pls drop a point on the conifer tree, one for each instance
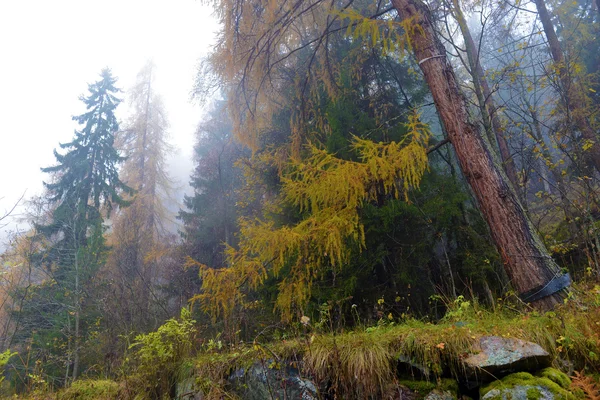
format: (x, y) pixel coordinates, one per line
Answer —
(84, 188)
(256, 54)
(139, 231)
(210, 222)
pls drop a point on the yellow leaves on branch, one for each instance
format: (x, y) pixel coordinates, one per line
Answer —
(329, 192)
(382, 32)
(406, 160)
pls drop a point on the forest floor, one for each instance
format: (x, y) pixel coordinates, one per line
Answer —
(570, 333)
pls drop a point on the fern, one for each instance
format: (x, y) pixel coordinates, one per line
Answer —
(587, 384)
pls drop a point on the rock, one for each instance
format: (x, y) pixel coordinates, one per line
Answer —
(430, 390)
(501, 356)
(413, 369)
(399, 392)
(438, 394)
(270, 381)
(519, 392)
(549, 384)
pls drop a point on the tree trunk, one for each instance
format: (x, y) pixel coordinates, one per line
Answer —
(574, 103)
(76, 343)
(526, 260)
(489, 111)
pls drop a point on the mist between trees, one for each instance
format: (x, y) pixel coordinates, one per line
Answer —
(360, 161)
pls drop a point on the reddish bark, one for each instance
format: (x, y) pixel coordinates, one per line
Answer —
(526, 260)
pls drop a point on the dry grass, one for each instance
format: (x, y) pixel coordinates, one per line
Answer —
(364, 361)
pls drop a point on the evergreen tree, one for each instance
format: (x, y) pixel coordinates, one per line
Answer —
(85, 185)
(210, 223)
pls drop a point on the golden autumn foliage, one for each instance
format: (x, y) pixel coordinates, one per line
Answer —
(329, 192)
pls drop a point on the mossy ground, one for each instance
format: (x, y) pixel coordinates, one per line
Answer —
(365, 360)
(91, 390)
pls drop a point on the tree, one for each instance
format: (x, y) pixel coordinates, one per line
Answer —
(84, 188)
(7, 213)
(211, 220)
(140, 238)
(527, 262)
(252, 64)
(573, 94)
(489, 111)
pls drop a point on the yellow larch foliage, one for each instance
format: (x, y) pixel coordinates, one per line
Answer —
(329, 191)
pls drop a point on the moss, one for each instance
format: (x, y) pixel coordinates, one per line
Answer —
(449, 385)
(419, 387)
(508, 382)
(533, 383)
(422, 388)
(533, 394)
(556, 376)
(91, 390)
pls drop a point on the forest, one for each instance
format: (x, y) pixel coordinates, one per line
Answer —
(373, 181)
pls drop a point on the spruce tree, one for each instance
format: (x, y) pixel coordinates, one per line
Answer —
(86, 176)
(85, 186)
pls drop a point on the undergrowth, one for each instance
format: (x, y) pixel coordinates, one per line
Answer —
(361, 363)
(364, 360)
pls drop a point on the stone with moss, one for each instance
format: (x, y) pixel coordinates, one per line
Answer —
(557, 377)
(270, 380)
(432, 390)
(549, 384)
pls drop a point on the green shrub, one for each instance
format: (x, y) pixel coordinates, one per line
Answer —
(158, 355)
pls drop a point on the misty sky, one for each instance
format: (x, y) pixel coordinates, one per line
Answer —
(51, 50)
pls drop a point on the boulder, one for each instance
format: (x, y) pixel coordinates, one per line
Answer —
(271, 381)
(550, 384)
(499, 356)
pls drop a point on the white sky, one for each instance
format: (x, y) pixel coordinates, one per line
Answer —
(51, 50)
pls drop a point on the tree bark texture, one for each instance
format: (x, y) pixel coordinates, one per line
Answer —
(574, 103)
(526, 260)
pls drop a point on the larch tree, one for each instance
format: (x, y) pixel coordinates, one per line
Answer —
(531, 269)
(489, 110)
(258, 39)
(139, 237)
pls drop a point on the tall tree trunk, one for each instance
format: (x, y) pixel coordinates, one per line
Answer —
(77, 340)
(526, 260)
(488, 108)
(572, 94)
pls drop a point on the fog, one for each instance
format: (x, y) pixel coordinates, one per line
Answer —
(52, 50)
